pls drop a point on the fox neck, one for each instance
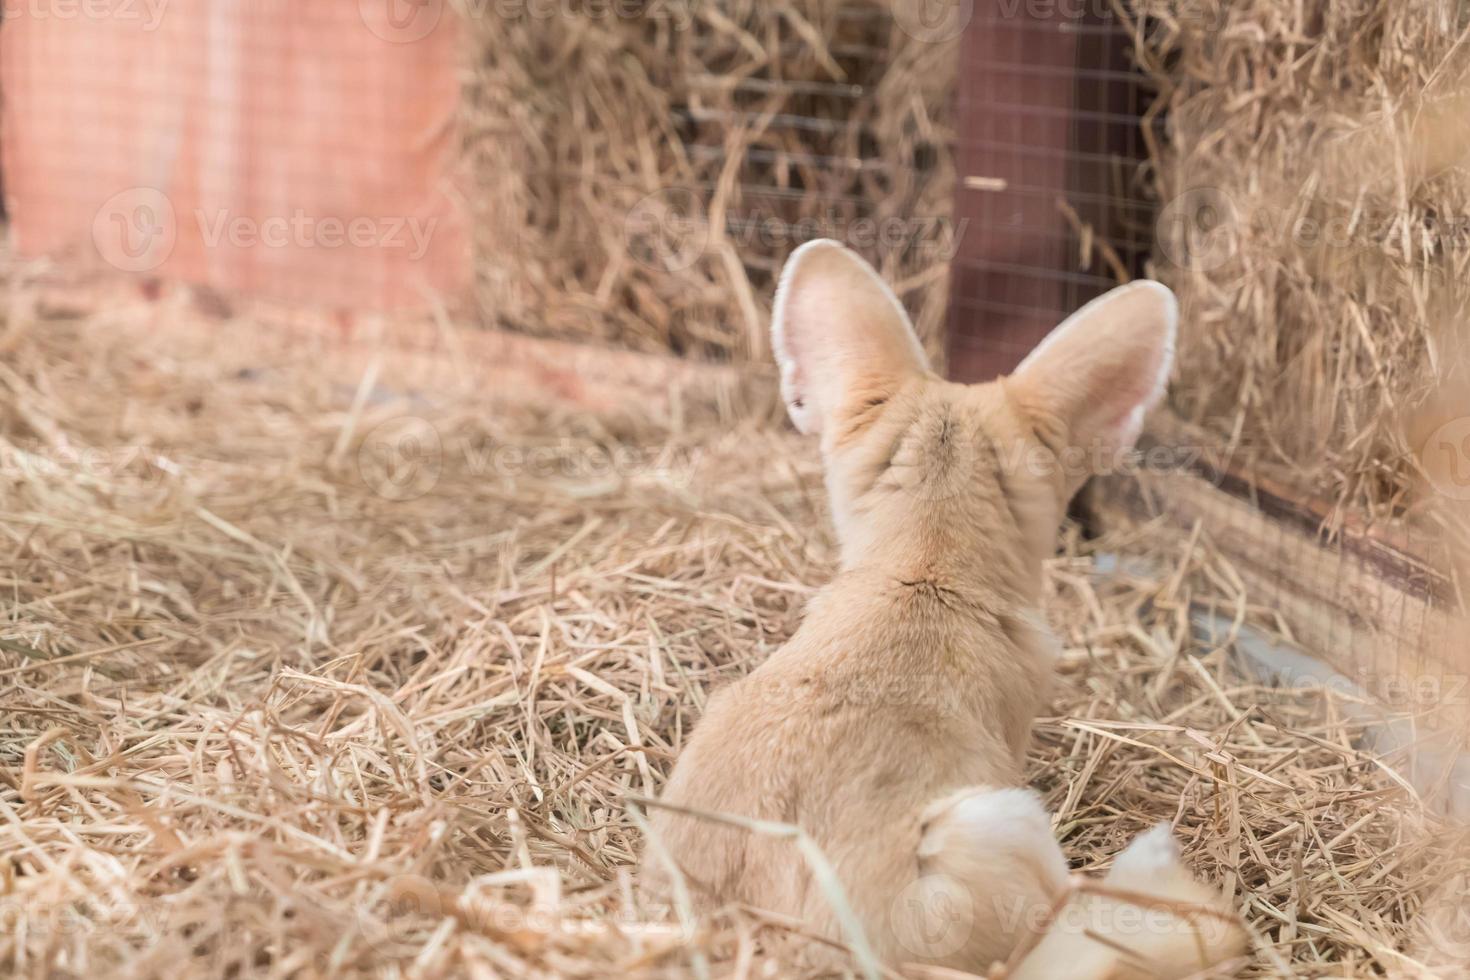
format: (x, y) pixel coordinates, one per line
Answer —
(947, 544)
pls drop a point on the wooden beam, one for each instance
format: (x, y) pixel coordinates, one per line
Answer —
(424, 353)
(1377, 603)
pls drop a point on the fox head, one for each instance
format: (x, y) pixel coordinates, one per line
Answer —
(922, 470)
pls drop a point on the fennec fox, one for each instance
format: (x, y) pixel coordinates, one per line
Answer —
(893, 726)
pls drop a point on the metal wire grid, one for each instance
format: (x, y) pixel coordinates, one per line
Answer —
(812, 172)
(1052, 196)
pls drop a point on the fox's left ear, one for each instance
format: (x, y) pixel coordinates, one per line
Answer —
(1098, 374)
(841, 337)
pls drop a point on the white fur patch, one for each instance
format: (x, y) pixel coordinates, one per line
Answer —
(1151, 852)
(1013, 819)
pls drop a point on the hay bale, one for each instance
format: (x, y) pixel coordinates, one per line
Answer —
(638, 179)
(1316, 223)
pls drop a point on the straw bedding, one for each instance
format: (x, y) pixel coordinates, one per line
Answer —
(271, 704)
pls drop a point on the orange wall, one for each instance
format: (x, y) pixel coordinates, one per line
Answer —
(281, 148)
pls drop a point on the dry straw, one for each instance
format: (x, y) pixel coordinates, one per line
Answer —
(1316, 206)
(276, 700)
(639, 172)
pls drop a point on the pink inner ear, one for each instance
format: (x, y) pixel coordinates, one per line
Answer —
(1131, 428)
(1104, 368)
(835, 320)
(1121, 411)
(793, 387)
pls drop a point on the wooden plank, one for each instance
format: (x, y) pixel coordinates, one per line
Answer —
(427, 354)
(416, 352)
(1379, 604)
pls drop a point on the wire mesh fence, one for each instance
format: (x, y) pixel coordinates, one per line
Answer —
(1054, 176)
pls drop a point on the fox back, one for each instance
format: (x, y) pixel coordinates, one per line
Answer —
(893, 726)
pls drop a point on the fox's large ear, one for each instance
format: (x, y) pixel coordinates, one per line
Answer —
(1098, 374)
(841, 338)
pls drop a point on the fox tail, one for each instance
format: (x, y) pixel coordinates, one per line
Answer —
(1148, 920)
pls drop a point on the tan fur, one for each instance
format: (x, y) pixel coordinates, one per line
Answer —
(1438, 432)
(893, 726)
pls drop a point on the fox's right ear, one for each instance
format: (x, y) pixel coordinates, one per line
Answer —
(841, 337)
(1100, 372)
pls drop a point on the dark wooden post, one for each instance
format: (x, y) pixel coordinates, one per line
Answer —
(1049, 144)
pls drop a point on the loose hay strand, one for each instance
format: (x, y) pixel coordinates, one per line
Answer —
(823, 874)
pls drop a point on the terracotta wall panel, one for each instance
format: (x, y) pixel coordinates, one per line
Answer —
(275, 148)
